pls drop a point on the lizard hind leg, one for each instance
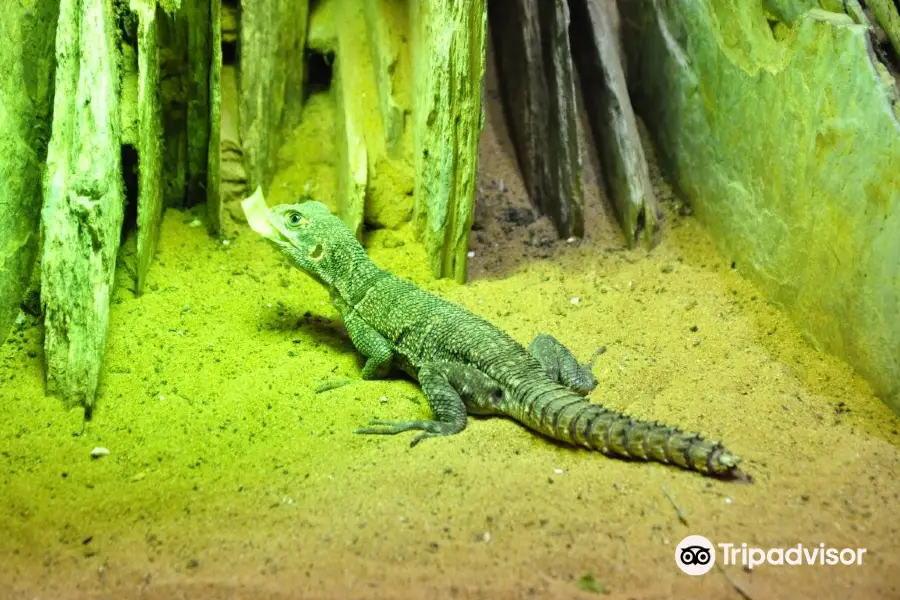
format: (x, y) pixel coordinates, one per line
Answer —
(561, 365)
(448, 387)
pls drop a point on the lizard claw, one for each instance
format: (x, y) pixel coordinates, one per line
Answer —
(422, 436)
(383, 427)
(428, 428)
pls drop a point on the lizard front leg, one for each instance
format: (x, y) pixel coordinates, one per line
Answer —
(450, 388)
(561, 365)
(378, 351)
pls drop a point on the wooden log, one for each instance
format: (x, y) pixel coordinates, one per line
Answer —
(888, 17)
(373, 42)
(83, 200)
(531, 45)
(149, 139)
(448, 52)
(232, 173)
(352, 106)
(199, 52)
(321, 33)
(26, 61)
(387, 22)
(598, 57)
(214, 152)
(272, 35)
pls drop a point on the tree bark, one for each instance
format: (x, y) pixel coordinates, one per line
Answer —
(214, 152)
(27, 62)
(350, 112)
(83, 196)
(448, 52)
(531, 45)
(272, 38)
(149, 140)
(608, 106)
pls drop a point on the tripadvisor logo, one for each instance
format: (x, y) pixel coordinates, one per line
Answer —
(696, 555)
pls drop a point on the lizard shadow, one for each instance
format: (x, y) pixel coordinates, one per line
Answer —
(308, 328)
(318, 331)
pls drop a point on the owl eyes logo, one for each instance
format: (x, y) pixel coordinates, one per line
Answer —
(695, 555)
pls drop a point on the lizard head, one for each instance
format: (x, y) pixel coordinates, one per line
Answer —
(315, 240)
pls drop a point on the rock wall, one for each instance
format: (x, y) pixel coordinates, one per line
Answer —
(784, 136)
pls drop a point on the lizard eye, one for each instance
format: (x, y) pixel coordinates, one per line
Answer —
(295, 219)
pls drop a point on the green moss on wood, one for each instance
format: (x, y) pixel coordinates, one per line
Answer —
(321, 34)
(27, 61)
(83, 200)
(272, 37)
(149, 139)
(886, 13)
(214, 154)
(375, 177)
(199, 51)
(387, 22)
(351, 107)
(448, 49)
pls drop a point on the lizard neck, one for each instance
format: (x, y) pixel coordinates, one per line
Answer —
(356, 277)
(361, 279)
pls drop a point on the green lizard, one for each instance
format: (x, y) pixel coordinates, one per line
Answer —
(462, 362)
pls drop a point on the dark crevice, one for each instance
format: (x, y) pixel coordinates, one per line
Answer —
(640, 223)
(319, 71)
(130, 179)
(229, 53)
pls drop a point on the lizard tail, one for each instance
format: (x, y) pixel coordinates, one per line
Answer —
(568, 417)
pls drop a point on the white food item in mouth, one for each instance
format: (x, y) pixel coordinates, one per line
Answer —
(257, 212)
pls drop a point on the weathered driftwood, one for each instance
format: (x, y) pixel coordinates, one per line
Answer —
(352, 106)
(26, 61)
(272, 35)
(83, 200)
(185, 54)
(531, 45)
(149, 139)
(232, 173)
(387, 23)
(448, 50)
(214, 150)
(888, 17)
(598, 58)
(197, 15)
(375, 176)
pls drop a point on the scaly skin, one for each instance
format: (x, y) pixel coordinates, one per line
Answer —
(463, 363)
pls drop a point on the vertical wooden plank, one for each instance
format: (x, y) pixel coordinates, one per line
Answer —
(26, 61)
(214, 155)
(83, 207)
(448, 71)
(149, 139)
(387, 22)
(531, 45)
(199, 51)
(272, 37)
(612, 119)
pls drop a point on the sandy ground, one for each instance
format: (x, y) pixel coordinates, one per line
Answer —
(228, 476)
